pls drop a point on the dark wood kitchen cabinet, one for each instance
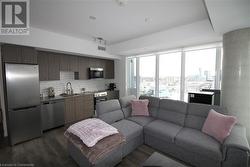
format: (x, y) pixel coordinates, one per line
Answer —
(69, 114)
(11, 53)
(83, 65)
(49, 66)
(29, 55)
(84, 107)
(51, 63)
(19, 54)
(78, 108)
(88, 105)
(114, 94)
(54, 67)
(43, 62)
(68, 62)
(63, 62)
(109, 69)
(94, 63)
(73, 63)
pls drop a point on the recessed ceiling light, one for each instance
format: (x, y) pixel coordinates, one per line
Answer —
(92, 17)
(121, 2)
(147, 19)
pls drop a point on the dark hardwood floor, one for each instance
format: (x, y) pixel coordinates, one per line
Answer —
(51, 150)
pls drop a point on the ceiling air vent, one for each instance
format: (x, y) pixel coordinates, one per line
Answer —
(103, 48)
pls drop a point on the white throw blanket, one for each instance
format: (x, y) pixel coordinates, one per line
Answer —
(91, 130)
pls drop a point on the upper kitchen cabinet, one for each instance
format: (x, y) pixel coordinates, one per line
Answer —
(54, 67)
(68, 63)
(73, 63)
(19, 54)
(64, 66)
(11, 53)
(43, 62)
(29, 55)
(109, 72)
(83, 65)
(49, 66)
(94, 63)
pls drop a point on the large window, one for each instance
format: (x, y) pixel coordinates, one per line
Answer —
(200, 70)
(173, 74)
(170, 75)
(147, 75)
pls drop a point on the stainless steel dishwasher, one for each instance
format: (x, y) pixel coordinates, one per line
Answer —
(52, 114)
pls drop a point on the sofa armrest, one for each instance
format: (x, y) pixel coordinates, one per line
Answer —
(237, 140)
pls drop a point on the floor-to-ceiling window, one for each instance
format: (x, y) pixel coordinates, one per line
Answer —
(173, 74)
(199, 70)
(147, 75)
(170, 75)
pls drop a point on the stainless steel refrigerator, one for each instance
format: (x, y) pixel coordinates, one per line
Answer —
(23, 102)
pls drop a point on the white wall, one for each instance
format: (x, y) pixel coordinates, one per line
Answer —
(120, 75)
(196, 33)
(58, 42)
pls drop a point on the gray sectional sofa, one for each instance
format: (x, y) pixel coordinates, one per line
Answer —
(174, 127)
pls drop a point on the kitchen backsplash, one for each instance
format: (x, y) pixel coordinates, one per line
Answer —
(77, 85)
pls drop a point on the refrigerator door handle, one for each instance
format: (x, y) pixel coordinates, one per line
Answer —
(24, 108)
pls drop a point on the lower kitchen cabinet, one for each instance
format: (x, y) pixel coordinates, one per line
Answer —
(78, 108)
(114, 94)
(69, 115)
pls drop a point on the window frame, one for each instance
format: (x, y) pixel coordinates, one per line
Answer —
(218, 67)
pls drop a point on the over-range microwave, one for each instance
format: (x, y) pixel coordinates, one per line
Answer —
(96, 73)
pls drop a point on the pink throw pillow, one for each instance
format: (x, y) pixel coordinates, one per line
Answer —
(218, 125)
(140, 107)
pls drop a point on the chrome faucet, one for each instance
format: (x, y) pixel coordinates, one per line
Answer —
(69, 89)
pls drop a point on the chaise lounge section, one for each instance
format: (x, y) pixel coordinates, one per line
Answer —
(174, 127)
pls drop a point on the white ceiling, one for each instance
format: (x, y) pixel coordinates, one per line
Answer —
(228, 15)
(114, 23)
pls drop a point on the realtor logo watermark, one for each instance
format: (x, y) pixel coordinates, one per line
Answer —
(14, 17)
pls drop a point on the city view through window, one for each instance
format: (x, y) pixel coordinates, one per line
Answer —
(164, 78)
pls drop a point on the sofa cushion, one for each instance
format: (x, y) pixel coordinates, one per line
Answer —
(128, 128)
(109, 111)
(140, 107)
(173, 111)
(218, 125)
(126, 105)
(164, 130)
(197, 142)
(141, 120)
(197, 114)
(153, 105)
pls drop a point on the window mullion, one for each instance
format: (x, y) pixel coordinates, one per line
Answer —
(137, 77)
(157, 76)
(183, 65)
